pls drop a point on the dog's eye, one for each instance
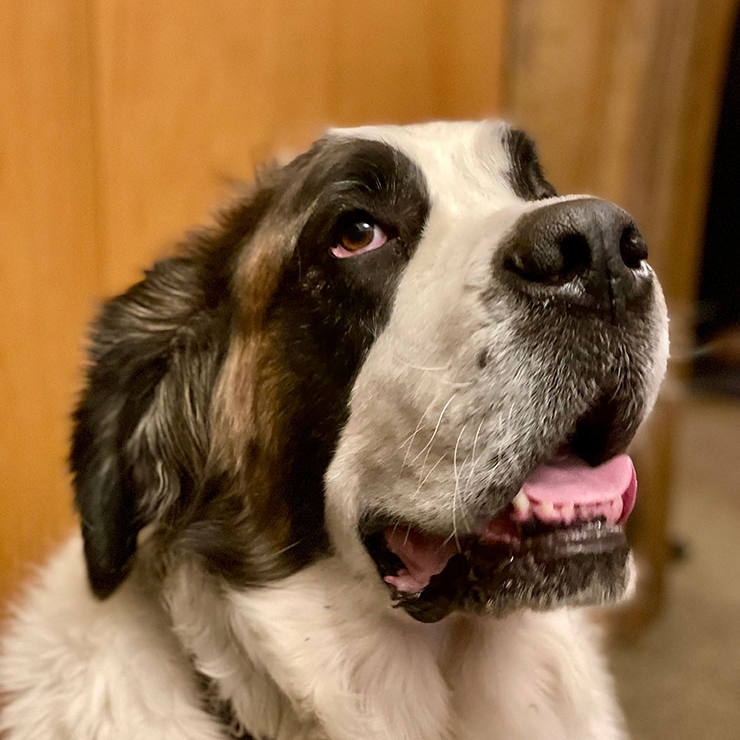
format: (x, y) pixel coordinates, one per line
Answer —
(357, 235)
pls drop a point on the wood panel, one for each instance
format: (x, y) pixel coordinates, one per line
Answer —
(193, 94)
(48, 265)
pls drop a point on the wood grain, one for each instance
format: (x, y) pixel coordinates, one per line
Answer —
(48, 266)
(187, 106)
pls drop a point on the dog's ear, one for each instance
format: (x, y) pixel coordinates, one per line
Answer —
(141, 426)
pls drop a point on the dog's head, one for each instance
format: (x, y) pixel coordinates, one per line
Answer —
(401, 347)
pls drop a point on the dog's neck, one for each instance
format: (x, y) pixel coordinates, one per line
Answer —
(235, 687)
(333, 643)
(311, 658)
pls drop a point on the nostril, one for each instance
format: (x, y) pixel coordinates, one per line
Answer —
(632, 247)
(518, 263)
(552, 260)
(576, 256)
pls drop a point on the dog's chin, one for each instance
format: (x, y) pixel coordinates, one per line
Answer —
(581, 565)
(558, 543)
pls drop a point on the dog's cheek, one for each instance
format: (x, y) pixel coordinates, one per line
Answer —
(259, 513)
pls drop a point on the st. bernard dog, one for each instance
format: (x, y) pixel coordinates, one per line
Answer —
(348, 464)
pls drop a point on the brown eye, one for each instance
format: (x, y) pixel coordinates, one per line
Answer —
(358, 235)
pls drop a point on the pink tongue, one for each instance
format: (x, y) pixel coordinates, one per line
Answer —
(423, 555)
(570, 482)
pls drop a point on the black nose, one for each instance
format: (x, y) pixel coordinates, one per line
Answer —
(587, 252)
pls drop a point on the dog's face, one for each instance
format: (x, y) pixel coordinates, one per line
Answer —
(403, 349)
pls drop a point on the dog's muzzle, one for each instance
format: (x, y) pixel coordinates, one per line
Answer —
(577, 273)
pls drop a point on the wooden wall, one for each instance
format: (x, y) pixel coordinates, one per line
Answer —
(49, 263)
(122, 122)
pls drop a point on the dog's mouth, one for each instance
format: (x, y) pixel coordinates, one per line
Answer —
(560, 541)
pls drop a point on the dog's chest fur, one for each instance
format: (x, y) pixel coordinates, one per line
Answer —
(308, 660)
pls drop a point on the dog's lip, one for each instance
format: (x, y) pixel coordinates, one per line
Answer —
(559, 498)
(581, 565)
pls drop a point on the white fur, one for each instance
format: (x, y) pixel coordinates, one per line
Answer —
(317, 655)
(73, 667)
(464, 163)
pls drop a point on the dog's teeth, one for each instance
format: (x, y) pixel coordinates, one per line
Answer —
(521, 504)
(545, 511)
(568, 512)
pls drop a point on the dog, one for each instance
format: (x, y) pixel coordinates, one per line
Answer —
(349, 463)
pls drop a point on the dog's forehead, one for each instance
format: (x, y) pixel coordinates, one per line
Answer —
(464, 163)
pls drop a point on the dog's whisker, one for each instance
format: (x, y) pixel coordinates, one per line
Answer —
(395, 527)
(440, 369)
(423, 480)
(464, 493)
(455, 470)
(411, 438)
(707, 349)
(474, 459)
(427, 448)
(288, 548)
(456, 490)
(436, 428)
(408, 534)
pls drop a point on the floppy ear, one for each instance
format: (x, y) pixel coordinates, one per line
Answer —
(141, 427)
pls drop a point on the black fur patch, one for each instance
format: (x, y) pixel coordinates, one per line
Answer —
(525, 175)
(143, 447)
(140, 434)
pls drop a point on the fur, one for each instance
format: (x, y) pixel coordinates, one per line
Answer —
(264, 403)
